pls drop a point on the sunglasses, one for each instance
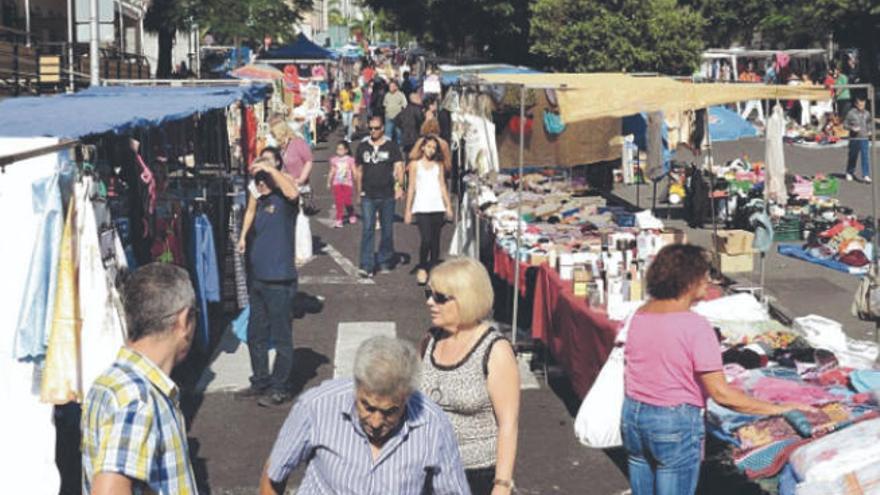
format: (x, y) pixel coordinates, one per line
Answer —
(438, 297)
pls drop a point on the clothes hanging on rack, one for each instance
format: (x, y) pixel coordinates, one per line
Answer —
(236, 216)
(27, 429)
(61, 382)
(102, 330)
(37, 302)
(206, 273)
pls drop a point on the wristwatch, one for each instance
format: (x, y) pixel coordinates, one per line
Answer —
(504, 483)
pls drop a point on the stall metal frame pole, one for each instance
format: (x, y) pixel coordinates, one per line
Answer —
(516, 260)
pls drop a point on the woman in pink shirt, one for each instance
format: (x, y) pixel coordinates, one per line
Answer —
(673, 363)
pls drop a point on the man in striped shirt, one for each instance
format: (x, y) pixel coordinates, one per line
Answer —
(373, 435)
(134, 435)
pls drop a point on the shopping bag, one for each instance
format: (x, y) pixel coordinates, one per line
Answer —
(597, 424)
(866, 303)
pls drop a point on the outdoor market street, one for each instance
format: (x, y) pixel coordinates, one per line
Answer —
(230, 439)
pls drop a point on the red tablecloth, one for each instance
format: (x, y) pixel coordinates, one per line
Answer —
(506, 270)
(579, 337)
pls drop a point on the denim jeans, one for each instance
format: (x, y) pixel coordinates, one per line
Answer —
(859, 147)
(346, 124)
(369, 208)
(391, 131)
(270, 320)
(664, 447)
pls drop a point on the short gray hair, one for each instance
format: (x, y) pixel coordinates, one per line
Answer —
(386, 366)
(154, 296)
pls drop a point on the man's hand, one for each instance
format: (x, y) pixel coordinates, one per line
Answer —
(242, 245)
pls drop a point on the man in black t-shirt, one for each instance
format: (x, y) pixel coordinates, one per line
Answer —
(378, 179)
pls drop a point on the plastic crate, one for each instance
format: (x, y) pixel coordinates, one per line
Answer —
(826, 187)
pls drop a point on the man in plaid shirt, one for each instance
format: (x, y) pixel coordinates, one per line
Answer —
(134, 435)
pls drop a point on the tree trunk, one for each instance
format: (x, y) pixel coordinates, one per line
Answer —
(166, 45)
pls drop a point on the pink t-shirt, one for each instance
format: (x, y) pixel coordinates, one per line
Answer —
(665, 353)
(296, 155)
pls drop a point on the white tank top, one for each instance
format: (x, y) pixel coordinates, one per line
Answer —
(428, 198)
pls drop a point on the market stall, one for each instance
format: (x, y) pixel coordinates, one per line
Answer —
(116, 178)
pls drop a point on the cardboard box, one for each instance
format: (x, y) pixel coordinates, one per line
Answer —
(734, 242)
(673, 236)
(736, 263)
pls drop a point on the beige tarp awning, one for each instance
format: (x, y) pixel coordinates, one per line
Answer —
(591, 96)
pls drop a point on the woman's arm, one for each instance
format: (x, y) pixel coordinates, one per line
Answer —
(503, 384)
(306, 172)
(411, 191)
(249, 214)
(724, 394)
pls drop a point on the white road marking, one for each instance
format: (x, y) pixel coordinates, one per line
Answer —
(350, 335)
(231, 368)
(334, 280)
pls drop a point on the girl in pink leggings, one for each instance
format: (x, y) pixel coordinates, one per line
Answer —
(340, 180)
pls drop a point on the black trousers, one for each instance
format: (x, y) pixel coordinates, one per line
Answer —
(430, 225)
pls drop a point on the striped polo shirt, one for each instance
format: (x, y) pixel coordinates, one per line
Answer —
(324, 431)
(132, 425)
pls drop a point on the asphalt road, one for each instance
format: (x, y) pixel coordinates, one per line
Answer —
(230, 439)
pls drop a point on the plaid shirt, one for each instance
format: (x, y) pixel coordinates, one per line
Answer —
(132, 425)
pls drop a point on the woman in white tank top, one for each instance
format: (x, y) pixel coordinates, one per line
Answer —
(427, 202)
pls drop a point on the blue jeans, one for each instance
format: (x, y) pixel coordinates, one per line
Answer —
(857, 147)
(346, 124)
(664, 447)
(369, 208)
(391, 131)
(270, 320)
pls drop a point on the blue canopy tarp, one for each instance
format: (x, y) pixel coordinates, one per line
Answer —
(727, 125)
(115, 109)
(301, 49)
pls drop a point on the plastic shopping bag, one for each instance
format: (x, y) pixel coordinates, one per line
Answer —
(598, 420)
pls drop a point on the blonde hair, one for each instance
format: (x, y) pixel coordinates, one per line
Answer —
(468, 282)
(281, 132)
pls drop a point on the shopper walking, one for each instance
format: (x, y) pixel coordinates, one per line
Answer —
(346, 106)
(133, 432)
(471, 372)
(393, 103)
(427, 202)
(858, 123)
(340, 180)
(409, 122)
(271, 211)
(673, 362)
(378, 179)
(374, 434)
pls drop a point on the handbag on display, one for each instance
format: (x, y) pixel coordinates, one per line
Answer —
(866, 304)
(597, 424)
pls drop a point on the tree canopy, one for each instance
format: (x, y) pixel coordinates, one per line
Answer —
(617, 35)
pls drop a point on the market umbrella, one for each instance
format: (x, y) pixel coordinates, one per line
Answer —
(257, 71)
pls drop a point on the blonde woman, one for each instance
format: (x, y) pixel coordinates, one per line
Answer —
(427, 202)
(470, 371)
(297, 157)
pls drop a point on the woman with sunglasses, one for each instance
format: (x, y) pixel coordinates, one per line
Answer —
(427, 201)
(470, 371)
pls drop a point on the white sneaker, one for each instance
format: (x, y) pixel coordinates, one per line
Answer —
(866, 179)
(849, 177)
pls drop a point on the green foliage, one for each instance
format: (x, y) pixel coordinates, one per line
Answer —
(622, 35)
(496, 29)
